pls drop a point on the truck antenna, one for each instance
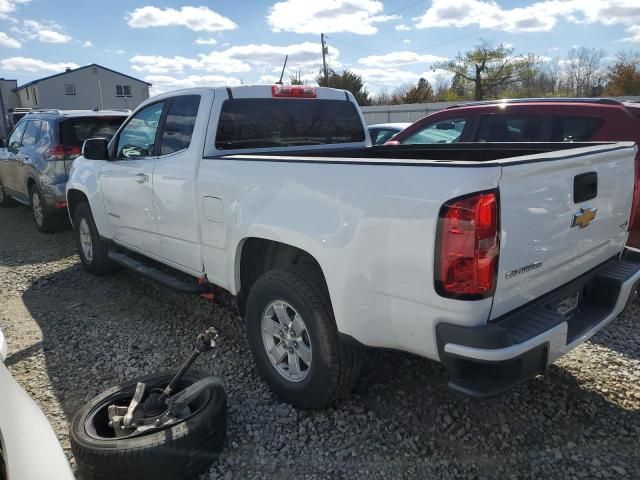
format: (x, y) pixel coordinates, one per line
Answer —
(279, 82)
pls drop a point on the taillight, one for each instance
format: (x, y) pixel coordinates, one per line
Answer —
(293, 91)
(468, 245)
(62, 152)
(634, 218)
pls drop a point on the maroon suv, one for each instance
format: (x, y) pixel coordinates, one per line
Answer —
(534, 120)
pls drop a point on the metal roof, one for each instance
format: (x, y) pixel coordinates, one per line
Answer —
(33, 82)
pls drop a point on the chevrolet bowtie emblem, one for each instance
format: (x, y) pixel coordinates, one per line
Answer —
(583, 218)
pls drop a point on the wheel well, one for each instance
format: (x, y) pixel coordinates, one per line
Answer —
(30, 183)
(75, 198)
(260, 256)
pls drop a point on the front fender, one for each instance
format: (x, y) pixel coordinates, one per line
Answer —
(85, 177)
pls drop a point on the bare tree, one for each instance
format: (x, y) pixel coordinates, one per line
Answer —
(584, 73)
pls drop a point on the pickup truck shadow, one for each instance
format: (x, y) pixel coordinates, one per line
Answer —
(38, 247)
(400, 421)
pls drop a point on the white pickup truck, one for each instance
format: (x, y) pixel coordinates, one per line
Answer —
(494, 260)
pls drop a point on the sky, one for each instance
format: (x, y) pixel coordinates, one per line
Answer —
(176, 44)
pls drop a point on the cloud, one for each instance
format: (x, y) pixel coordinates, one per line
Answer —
(395, 59)
(328, 16)
(390, 78)
(198, 19)
(205, 41)
(634, 30)
(87, 44)
(541, 16)
(9, 6)
(164, 83)
(237, 59)
(402, 27)
(25, 64)
(406, 40)
(214, 61)
(42, 31)
(9, 42)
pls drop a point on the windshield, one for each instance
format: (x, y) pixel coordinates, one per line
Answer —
(267, 122)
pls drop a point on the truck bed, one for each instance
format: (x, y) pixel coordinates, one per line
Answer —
(458, 152)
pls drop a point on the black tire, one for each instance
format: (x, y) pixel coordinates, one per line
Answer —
(335, 365)
(48, 222)
(100, 263)
(5, 200)
(180, 451)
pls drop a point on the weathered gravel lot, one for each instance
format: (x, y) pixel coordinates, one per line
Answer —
(71, 335)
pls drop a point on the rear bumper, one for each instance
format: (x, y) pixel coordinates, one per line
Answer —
(489, 359)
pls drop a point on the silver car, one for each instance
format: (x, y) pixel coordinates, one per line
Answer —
(36, 159)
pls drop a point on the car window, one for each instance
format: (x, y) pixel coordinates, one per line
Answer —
(382, 135)
(178, 128)
(138, 137)
(575, 129)
(45, 132)
(30, 136)
(74, 131)
(510, 128)
(442, 131)
(282, 122)
(16, 136)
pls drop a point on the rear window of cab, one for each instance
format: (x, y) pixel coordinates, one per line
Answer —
(267, 122)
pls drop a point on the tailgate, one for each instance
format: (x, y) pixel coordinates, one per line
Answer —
(562, 214)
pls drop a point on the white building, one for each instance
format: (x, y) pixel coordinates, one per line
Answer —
(89, 87)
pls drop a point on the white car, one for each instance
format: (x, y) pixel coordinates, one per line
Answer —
(29, 448)
(459, 253)
(381, 132)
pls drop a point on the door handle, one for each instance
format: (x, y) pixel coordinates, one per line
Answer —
(141, 178)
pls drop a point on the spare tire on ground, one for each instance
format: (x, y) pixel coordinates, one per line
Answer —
(181, 450)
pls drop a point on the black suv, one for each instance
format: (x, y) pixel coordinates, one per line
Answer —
(35, 161)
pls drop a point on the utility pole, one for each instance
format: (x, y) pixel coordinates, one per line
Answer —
(325, 50)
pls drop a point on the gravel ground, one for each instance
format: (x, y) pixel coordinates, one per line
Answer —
(72, 335)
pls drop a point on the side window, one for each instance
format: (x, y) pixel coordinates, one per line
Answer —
(138, 137)
(178, 128)
(510, 128)
(443, 131)
(45, 135)
(384, 135)
(16, 136)
(30, 136)
(575, 129)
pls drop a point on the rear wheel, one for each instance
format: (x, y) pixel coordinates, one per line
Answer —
(294, 339)
(5, 200)
(92, 249)
(41, 212)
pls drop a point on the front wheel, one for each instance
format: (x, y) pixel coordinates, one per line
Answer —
(92, 249)
(294, 339)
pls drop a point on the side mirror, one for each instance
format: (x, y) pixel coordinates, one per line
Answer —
(3, 142)
(95, 149)
(446, 126)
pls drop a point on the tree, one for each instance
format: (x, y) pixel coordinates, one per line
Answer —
(347, 80)
(584, 74)
(296, 79)
(489, 68)
(624, 75)
(421, 92)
